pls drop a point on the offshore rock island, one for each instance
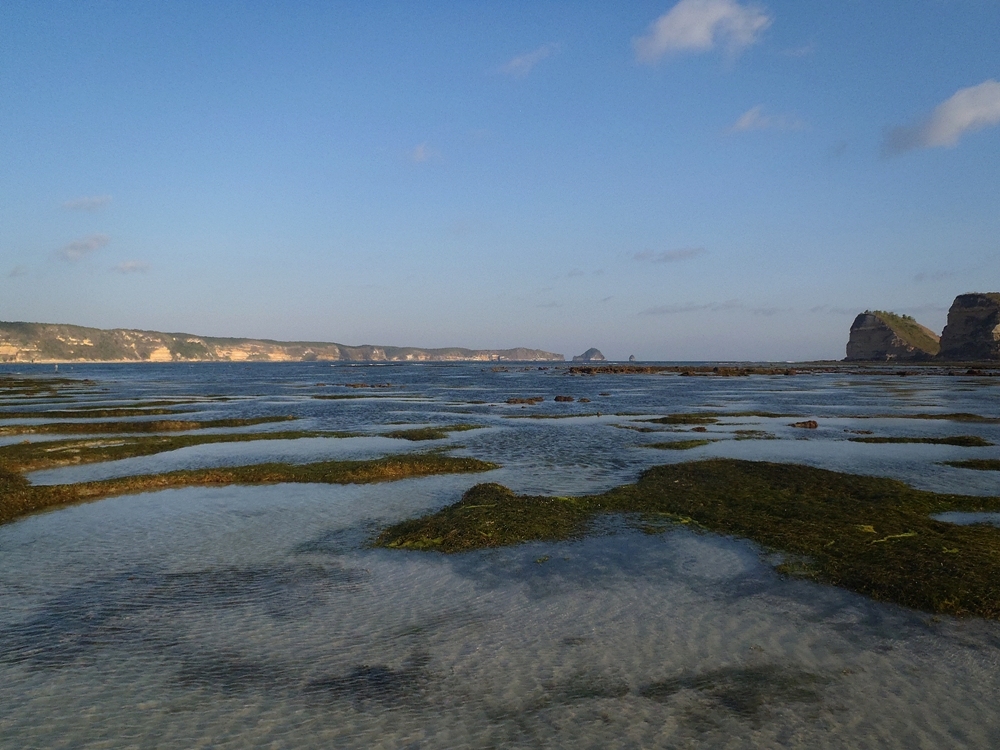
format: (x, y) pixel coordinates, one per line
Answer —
(54, 343)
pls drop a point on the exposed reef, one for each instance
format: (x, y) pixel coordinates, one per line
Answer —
(18, 497)
(877, 335)
(47, 342)
(871, 535)
(973, 329)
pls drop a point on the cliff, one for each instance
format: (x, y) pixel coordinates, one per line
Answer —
(45, 342)
(973, 330)
(884, 336)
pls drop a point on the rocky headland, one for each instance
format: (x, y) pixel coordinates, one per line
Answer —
(47, 342)
(971, 335)
(882, 336)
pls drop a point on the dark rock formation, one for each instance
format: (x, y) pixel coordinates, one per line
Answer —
(884, 336)
(591, 355)
(973, 330)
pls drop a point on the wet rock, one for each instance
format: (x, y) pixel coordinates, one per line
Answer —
(809, 424)
(564, 398)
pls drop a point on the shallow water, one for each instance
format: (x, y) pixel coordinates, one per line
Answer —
(257, 616)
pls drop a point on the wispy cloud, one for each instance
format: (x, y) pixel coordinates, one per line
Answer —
(726, 306)
(932, 276)
(423, 153)
(17, 271)
(520, 66)
(132, 266)
(669, 256)
(966, 111)
(79, 249)
(804, 51)
(834, 310)
(87, 203)
(693, 307)
(756, 118)
(700, 26)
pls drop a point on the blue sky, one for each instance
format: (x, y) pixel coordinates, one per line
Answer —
(708, 179)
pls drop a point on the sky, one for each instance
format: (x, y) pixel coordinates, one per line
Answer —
(693, 180)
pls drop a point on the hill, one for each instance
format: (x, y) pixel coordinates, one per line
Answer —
(48, 342)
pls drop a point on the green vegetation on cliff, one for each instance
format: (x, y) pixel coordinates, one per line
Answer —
(910, 331)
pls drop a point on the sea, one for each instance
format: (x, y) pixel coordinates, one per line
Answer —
(261, 617)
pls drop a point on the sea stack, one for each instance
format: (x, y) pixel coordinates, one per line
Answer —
(882, 336)
(591, 355)
(973, 330)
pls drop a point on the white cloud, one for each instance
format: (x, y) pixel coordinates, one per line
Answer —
(756, 119)
(699, 26)
(966, 111)
(87, 203)
(521, 65)
(79, 249)
(669, 256)
(132, 266)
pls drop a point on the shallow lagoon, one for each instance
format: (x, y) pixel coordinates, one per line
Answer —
(256, 616)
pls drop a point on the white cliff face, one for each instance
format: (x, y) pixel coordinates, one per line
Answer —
(973, 330)
(872, 339)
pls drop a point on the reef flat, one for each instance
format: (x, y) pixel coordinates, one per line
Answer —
(871, 535)
(18, 497)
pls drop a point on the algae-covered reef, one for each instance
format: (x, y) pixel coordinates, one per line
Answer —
(49, 454)
(18, 497)
(871, 535)
(156, 425)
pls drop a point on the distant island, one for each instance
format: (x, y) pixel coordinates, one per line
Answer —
(54, 343)
(972, 334)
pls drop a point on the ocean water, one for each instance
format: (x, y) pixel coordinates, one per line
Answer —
(258, 617)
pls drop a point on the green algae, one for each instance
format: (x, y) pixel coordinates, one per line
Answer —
(27, 456)
(963, 441)
(91, 413)
(19, 498)
(679, 445)
(430, 433)
(871, 535)
(157, 425)
(979, 464)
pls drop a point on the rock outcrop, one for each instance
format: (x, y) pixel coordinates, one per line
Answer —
(591, 355)
(973, 330)
(45, 342)
(884, 336)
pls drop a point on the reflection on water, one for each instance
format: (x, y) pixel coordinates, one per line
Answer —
(258, 617)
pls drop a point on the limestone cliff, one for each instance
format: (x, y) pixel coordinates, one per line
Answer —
(973, 330)
(45, 342)
(884, 336)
